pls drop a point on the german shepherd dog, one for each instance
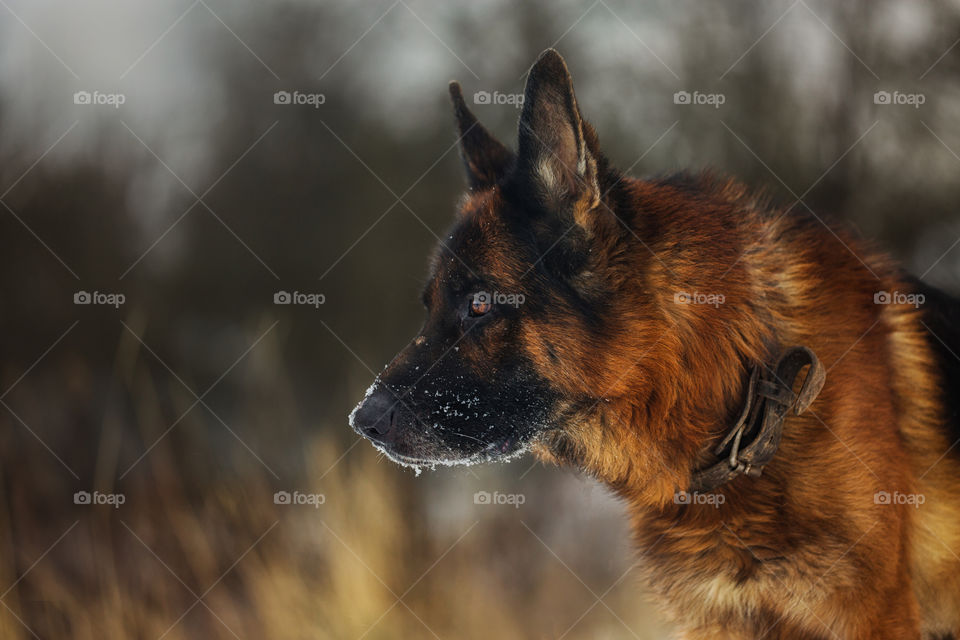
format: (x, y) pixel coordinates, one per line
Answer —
(775, 401)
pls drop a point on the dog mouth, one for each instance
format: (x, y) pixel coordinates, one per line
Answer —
(450, 427)
(437, 455)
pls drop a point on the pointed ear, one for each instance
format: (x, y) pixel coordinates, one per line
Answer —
(554, 155)
(485, 159)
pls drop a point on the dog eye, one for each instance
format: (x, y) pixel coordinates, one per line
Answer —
(480, 304)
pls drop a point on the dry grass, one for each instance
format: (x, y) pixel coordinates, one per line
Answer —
(200, 522)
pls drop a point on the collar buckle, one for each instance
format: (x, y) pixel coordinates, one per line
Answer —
(755, 437)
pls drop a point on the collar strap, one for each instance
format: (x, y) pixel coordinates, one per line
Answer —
(752, 442)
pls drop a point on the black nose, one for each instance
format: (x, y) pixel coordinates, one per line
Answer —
(376, 417)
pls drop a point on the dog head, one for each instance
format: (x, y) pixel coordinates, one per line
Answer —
(514, 301)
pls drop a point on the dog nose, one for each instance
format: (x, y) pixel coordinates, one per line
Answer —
(376, 417)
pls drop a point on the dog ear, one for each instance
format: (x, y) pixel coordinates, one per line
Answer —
(554, 157)
(485, 159)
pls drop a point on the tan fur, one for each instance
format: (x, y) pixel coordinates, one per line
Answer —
(853, 530)
(803, 551)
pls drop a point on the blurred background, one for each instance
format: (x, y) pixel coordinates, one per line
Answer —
(175, 460)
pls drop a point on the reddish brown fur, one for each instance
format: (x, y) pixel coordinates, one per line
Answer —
(642, 387)
(803, 548)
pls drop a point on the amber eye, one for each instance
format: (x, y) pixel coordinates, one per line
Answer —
(480, 304)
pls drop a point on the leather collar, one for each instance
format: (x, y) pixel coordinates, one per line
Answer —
(752, 442)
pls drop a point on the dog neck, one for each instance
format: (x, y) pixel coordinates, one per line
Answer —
(649, 446)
